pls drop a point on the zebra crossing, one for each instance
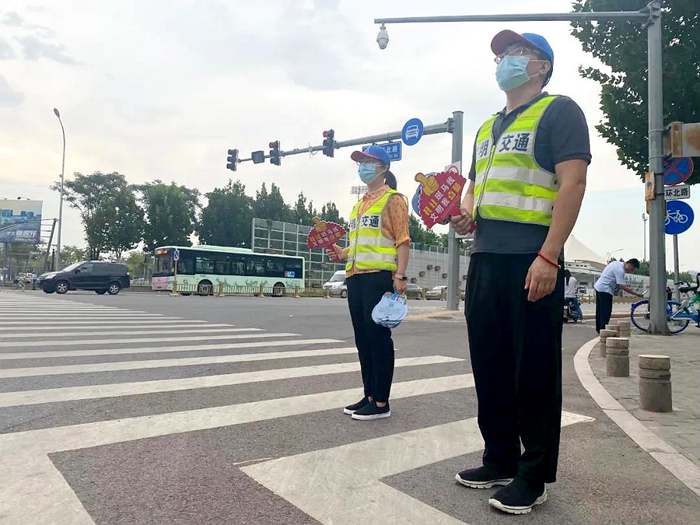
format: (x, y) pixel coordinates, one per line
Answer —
(75, 376)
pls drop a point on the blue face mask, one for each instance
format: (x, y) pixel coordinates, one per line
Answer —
(367, 172)
(511, 72)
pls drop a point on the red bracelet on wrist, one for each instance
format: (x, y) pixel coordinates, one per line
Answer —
(548, 261)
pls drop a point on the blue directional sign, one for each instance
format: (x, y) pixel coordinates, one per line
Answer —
(677, 171)
(679, 217)
(392, 148)
(176, 255)
(412, 132)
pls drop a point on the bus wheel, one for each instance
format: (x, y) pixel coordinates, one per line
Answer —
(205, 288)
(278, 290)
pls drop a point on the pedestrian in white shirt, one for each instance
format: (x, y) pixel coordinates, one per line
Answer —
(613, 277)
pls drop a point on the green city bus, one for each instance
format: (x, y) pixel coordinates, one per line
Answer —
(201, 269)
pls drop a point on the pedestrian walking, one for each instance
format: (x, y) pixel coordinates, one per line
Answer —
(612, 278)
(377, 258)
(527, 181)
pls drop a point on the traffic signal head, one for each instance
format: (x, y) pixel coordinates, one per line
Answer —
(232, 159)
(275, 153)
(329, 143)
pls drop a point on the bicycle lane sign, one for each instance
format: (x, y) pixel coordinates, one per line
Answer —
(679, 217)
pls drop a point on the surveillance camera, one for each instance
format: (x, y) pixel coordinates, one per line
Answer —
(382, 38)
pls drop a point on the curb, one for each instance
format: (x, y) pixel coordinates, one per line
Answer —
(668, 457)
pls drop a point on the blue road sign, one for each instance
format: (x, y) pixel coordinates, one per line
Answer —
(176, 255)
(412, 132)
(677, 171)
(392, 148)
(679, 217)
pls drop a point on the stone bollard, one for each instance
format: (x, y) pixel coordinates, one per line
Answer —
(604, 334)
(617, 359)
(261, 293)
(625, 328)
(615, 328)
(296, 293)
(655, 383)
(221, 290)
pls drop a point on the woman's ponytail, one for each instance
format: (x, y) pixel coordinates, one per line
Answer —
(390, 179)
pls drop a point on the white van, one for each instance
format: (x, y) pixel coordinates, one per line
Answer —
(337, 279)
(336, 285)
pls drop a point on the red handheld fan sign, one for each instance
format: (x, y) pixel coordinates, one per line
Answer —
(324, 235)
(441, 195)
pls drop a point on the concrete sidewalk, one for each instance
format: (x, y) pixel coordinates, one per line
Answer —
(681, 428)
(419, 310)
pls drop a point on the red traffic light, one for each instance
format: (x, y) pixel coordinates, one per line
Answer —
(275, 144)
(328, 134)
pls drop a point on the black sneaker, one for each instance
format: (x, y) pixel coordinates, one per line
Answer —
(482, 478)
(351, 409)
(372, 411)
(519, 496)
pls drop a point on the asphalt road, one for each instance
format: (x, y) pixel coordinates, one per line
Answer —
(148, 409)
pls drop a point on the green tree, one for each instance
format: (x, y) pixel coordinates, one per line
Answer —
(303, 212)
(227, 218)
(170, 214)
(119, 221)
(137, 263)
(73, 254)
(92, 195)
(416, 230)
(621, 46)
(330, 213)
(271, 205)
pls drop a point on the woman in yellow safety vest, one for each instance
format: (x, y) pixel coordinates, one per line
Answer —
(377, 258)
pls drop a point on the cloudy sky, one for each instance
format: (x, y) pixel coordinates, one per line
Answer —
(162, 92)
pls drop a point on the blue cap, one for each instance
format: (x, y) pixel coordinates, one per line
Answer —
(373, 152)
(507, 37)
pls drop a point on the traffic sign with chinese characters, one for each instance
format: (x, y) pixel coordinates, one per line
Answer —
(324, 235)
(392, 148)
(681, 191)
(440, 195)
(679, 217)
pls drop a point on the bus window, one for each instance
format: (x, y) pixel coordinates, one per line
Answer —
(163, 265)
(274, 267)
(293, 268)
(203, 264)
(237, 265)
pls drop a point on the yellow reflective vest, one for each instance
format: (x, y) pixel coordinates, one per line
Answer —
(370, 249)
(510, 185)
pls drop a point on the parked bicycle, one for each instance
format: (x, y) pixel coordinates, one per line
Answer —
(678, 315)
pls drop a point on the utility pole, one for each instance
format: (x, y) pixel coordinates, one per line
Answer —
(452, 242)
(651, 18)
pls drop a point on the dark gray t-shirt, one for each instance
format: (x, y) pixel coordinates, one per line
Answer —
(562, 134)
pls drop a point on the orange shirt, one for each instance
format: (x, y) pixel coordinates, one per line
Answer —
(394, 220)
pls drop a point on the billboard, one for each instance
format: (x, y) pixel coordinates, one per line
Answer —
(20, 221)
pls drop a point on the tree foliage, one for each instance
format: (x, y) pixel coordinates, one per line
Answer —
(226, 220)
(107, 206)
(271, 205)
(303, 211)
(622, 47)
(170, 214)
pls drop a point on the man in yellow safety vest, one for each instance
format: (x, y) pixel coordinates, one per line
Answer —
(527, 181)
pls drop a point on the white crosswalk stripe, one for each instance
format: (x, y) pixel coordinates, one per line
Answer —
(66, 356)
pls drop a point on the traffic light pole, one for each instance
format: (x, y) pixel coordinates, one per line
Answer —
(651, 17)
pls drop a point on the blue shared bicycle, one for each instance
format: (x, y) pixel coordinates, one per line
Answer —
(678, 315)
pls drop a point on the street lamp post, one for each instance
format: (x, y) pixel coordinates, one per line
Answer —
(645, 218)
(651, 18)
(609, 254)
(57, 259)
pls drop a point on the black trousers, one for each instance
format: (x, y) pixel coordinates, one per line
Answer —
(515, 348)
(603, 310)
(374, 343)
